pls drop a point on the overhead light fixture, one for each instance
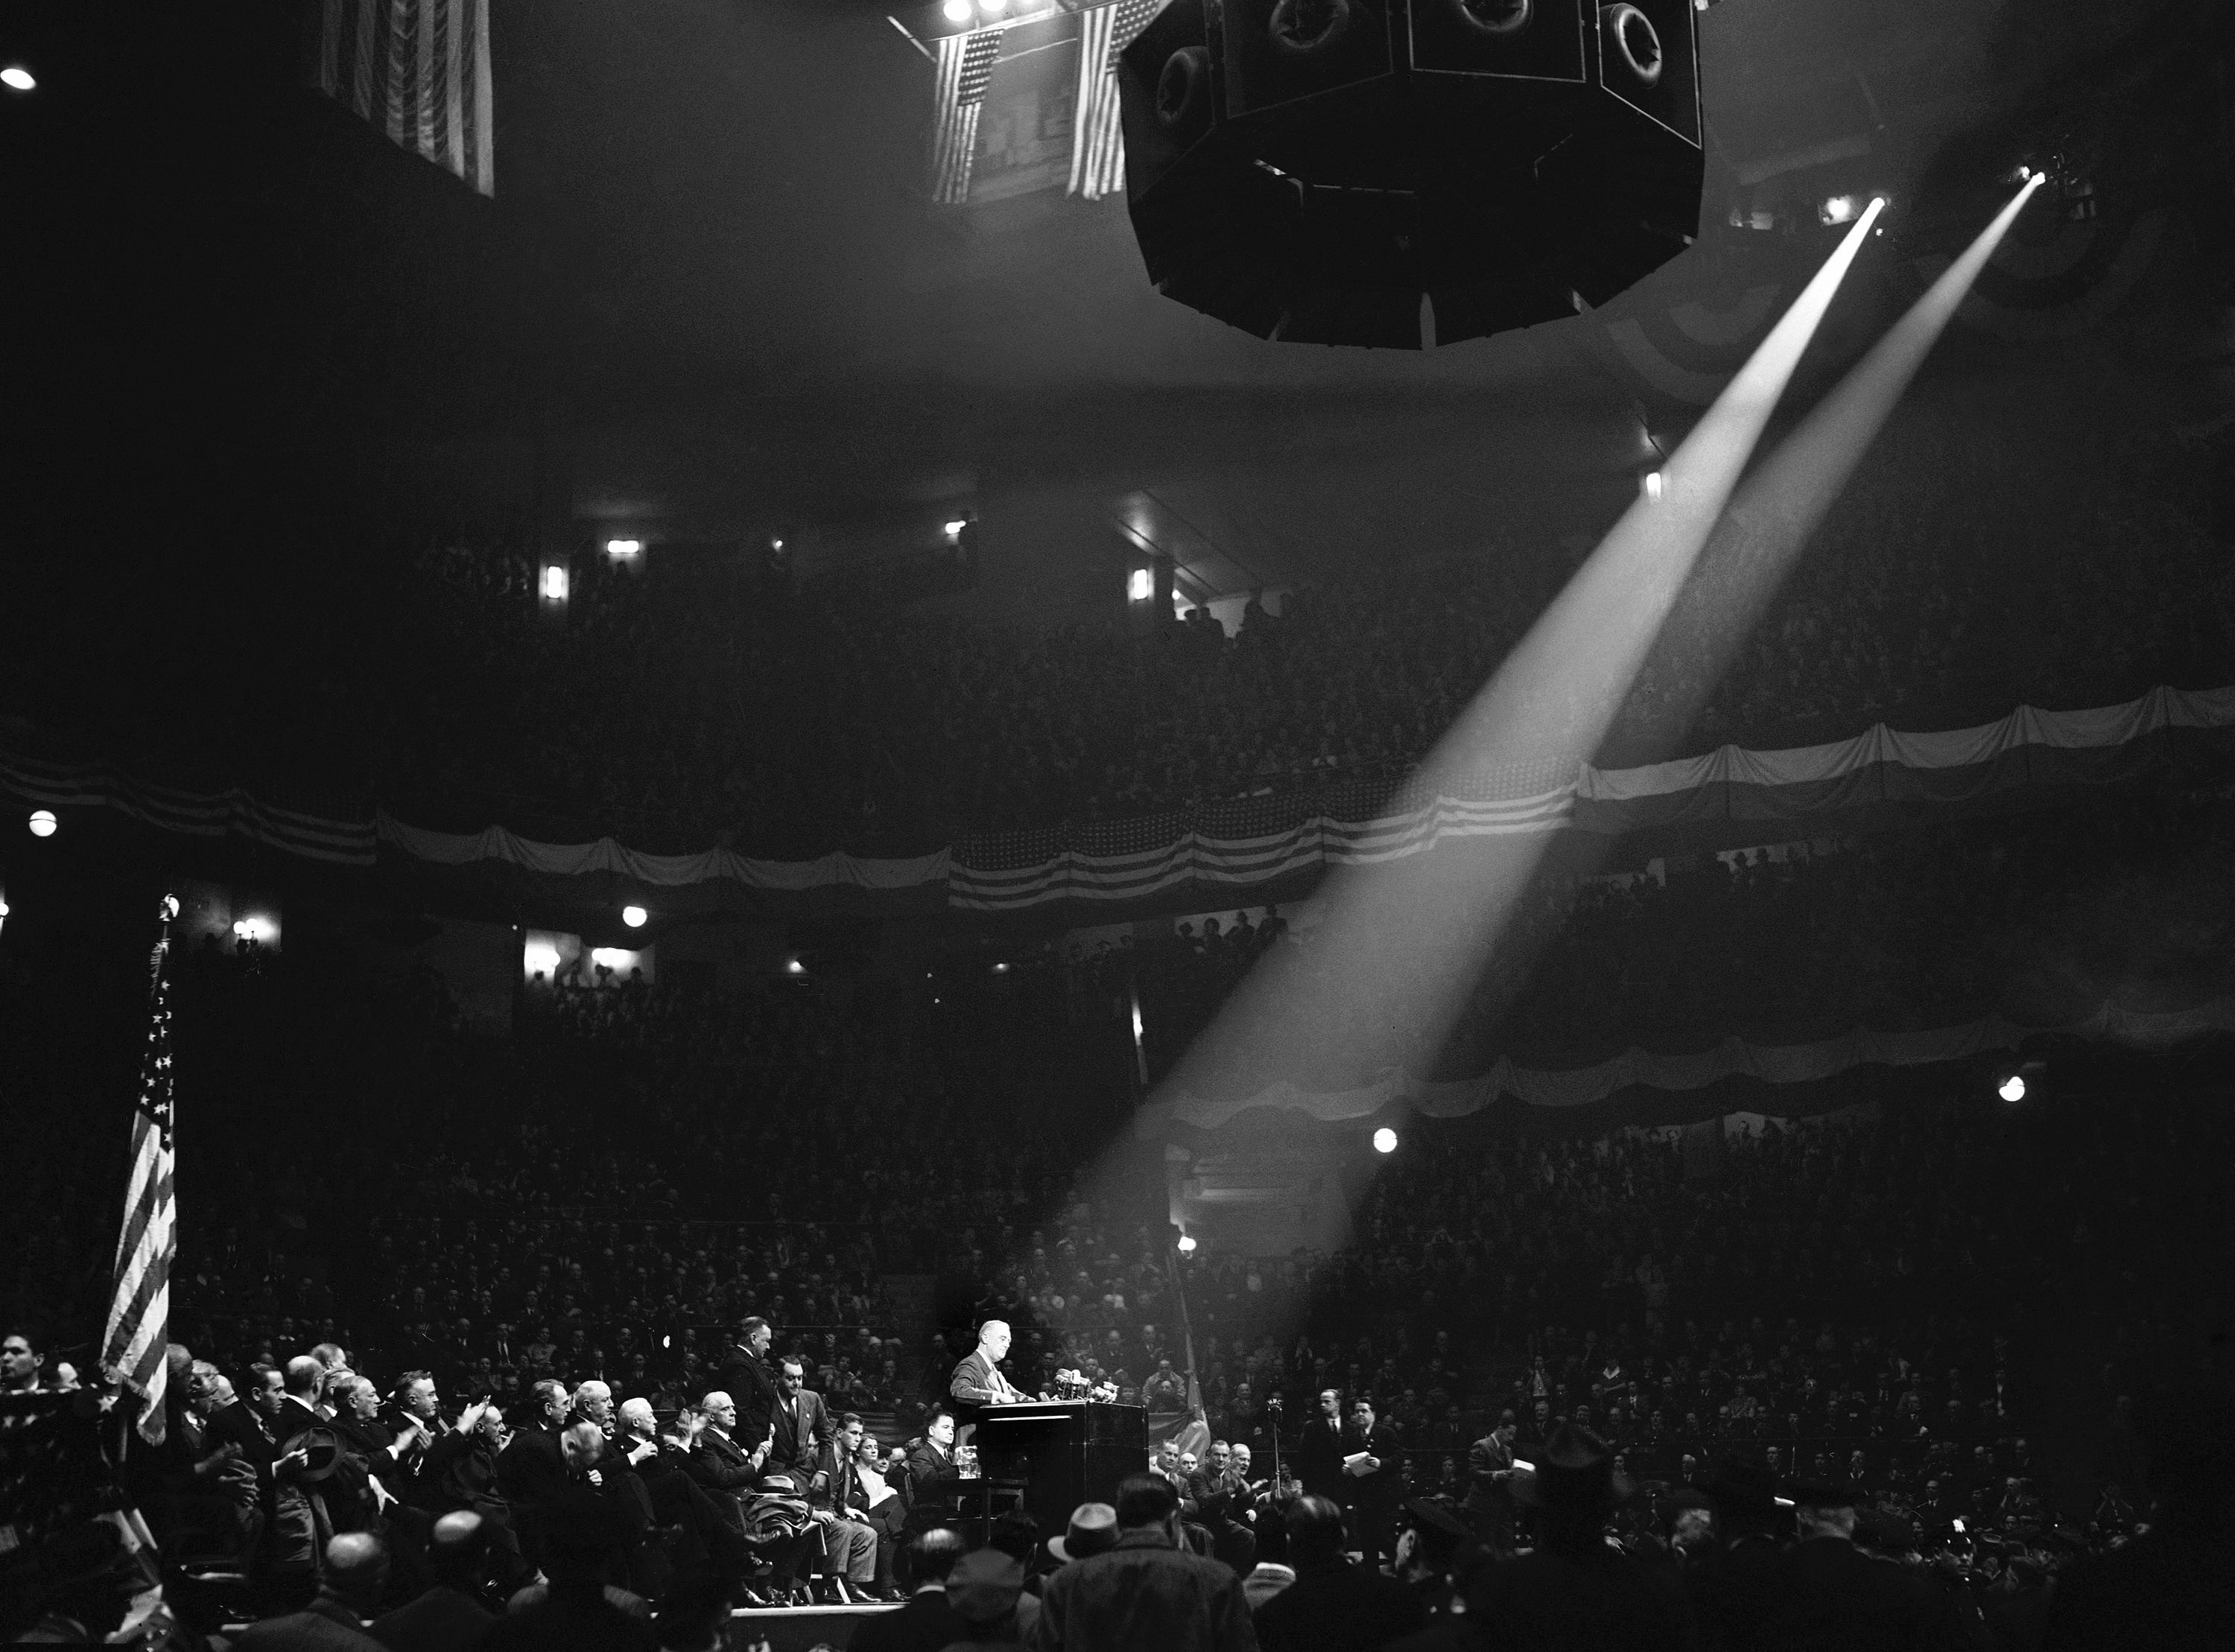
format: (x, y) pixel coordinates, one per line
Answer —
(1141, 584)
(1385, 1140)
(992, 8)
(956, 10)
(42, 823)
(955, 528)
(554, 583)
(1840, 209)
(17, 78)
(253, 929)
(623, 547)
(793, 966)
(1187, 1244)
(634, 916)
(1655, 484)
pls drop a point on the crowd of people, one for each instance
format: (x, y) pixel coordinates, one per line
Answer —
(692, 701)
(592, 1205)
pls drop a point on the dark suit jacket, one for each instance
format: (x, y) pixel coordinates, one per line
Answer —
(930, 1475)
(926, 1623)
(294, 1417)
(726, 1471)
(1385, 1486)
(442, 1620)
(1319, 1460)
(326, 1626)
(531, 1469)
(801, 1438)
(1486, 1492)
(751, 1384)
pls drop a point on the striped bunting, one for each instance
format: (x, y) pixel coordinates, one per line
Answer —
(1001, 874)
(417, 69)
(140, 1310)
(965, 67)
(202, 815)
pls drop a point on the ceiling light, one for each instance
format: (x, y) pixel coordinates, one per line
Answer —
(42, 823)
(1141, 586)
(1385, 1140)
(956, 10)
(17, 78)
(992, 8)
(623, 547)
(634, 916)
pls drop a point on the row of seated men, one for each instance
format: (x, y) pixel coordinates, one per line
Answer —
(804, 1502)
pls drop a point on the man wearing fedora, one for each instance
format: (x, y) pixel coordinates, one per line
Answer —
(1574, 1588)
(1735, 1583)
(1837, 1595)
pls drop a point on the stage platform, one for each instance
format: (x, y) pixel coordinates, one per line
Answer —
(800, 1628)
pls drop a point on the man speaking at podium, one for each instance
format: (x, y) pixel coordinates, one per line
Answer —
(978, 1379)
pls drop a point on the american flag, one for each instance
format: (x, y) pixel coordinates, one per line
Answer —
(419, 70)
(1097, 138)
(965, 67)
(139, 1313)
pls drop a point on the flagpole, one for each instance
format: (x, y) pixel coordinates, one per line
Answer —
(139, 1327)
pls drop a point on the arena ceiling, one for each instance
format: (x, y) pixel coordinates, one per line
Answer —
(767, 321)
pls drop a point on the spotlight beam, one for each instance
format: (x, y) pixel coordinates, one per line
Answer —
(1403, 943)
(1783, 503)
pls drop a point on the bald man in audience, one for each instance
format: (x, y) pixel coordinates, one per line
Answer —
(355, 1572)
(451, 1613)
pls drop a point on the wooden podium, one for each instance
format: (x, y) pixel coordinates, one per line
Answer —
(1060, 1453)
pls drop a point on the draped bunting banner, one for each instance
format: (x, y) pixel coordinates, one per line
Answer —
(200, 814)
(1110, 863)
(1636, 1069)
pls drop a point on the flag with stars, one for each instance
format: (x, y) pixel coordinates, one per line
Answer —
(139, 1312)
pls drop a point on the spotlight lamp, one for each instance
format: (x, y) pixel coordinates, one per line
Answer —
(956, 11)
(1385, 1140)
(623, 547)
(42, 823)
(17, 78)
(634, 916)
(1187, 1244)
(992, 8)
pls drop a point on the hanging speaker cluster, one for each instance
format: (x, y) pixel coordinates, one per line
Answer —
(1307, 170)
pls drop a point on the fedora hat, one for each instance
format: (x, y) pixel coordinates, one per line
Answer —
(1093, 1529)
(322, 1449)
(1574, 1473)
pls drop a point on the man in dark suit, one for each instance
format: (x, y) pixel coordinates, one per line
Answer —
(1735, 1584)
(932, 1472)
(927, 1622)
(1319, 1456)
(298, 1401)
(451, 1613)
(355, 1572)
(425, 1445)
(531, 1471)
(725, 1471)
(1490, 1477)
(1374, 1462)
(1835, 1594)
(745, 1375)
(802, 1447)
